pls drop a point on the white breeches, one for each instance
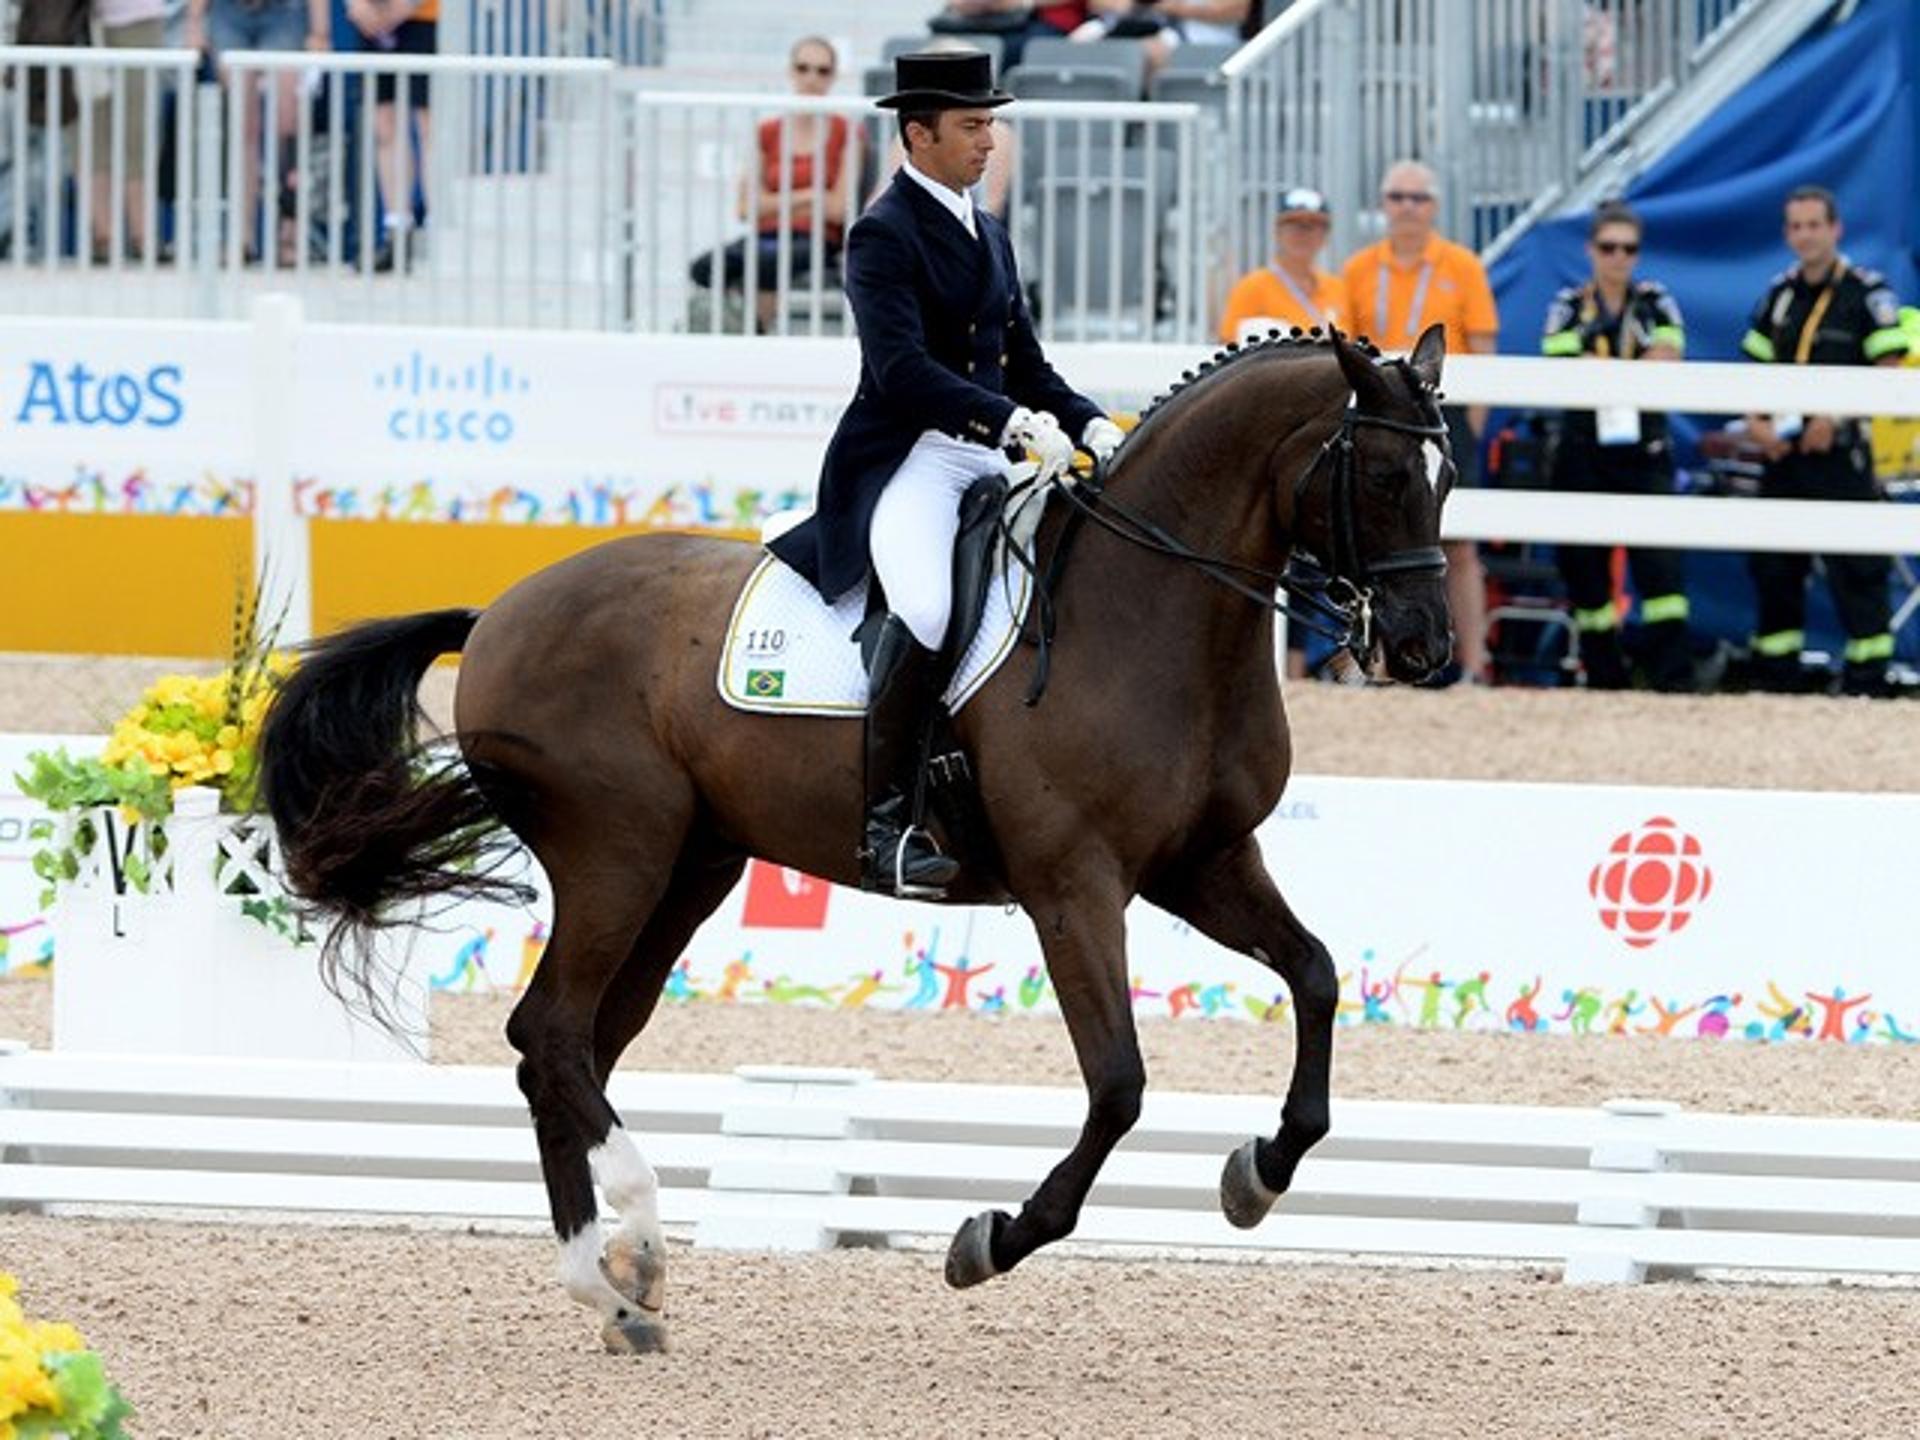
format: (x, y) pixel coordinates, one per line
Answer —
(914, 524)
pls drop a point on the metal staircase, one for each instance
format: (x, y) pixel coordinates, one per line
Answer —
(1524, 108)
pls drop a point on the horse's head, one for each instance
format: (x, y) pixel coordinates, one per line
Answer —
(1370, 509)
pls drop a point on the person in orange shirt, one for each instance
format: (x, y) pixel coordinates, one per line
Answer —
(1290, 290)
(1412, 279)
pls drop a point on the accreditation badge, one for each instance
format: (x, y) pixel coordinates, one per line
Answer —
(1617, 425)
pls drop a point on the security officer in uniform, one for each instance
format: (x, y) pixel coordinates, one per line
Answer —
(1620, 451)
(950, 374)
(1823, 311)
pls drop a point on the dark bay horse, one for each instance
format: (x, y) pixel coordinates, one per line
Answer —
(591, 726)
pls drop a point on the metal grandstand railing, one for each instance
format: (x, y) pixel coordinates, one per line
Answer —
(1508, 101)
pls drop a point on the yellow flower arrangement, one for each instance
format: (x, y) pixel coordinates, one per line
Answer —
(50, 1383)
(201, 730)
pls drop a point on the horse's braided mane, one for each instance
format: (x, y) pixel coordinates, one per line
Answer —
(1276, 341)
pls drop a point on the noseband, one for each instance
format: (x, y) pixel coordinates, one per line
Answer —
(1341, 587)
(1331, 597)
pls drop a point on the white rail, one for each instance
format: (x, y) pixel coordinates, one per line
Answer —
(775, 1158)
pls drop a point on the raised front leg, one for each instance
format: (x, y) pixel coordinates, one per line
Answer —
(1084, 940)
(1230, 898)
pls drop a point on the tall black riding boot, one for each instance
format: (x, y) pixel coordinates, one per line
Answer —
(898, 857)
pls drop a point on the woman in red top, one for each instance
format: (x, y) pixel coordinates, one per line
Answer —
(809, 137)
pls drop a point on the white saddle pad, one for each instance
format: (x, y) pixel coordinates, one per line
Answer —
(789, 653)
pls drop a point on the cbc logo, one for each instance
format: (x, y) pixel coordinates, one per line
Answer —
(442, 404)
(1652, 880)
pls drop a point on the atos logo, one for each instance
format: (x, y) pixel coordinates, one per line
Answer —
(450, 404)
(1652, 880)
(81, 395)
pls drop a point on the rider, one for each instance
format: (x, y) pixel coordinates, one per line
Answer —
(950, 374)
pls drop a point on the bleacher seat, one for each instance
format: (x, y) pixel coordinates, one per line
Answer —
(993, 46)
(1205, 88)
(1204, 59)
(1093, 197)
(1057, 53)
(1037, 82)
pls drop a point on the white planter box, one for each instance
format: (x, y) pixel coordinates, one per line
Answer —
(180, 970)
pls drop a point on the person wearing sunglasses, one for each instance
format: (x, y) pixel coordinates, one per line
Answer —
(1411, 279)
(809, 140)
(1616, 315)
(1823, 311)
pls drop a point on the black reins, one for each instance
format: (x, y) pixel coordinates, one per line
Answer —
(1332, 598)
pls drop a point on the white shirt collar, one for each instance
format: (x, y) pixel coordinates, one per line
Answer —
(957, 203)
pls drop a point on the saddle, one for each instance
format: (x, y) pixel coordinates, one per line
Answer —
(787, 651)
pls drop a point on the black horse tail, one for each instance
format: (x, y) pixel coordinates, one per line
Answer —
(368, 816)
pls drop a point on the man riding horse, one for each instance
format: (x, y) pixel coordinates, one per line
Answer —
(951, 372)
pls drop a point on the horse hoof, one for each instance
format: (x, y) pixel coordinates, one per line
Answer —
(638, 1272)
(970, 1257)
(636, 1335)
(1244, 1196)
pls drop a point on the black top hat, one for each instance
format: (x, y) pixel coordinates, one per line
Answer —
(943, 80)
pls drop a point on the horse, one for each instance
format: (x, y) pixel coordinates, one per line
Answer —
(590, 730)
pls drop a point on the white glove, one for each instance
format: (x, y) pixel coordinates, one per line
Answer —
(1101, 438)
(1039, 433)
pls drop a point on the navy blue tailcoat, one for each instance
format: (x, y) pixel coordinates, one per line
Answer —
(946, 344)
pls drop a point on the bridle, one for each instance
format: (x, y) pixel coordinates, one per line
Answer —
(1331, 596)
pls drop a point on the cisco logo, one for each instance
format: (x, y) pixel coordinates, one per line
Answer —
(434, 404)
(118, 399)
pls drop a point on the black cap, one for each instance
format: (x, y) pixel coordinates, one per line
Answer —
(943, 80)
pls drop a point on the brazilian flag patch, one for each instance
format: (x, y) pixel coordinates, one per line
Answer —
(766, 684)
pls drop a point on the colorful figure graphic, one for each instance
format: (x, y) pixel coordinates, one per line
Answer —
(1183, 998)
(1268, 1012)
(531, 949)
(1033, 987)
(920, 964)
(864, 988)
(1833, 1012)
(994, 1002)
(1469, 998)
(783, 991)
(959, 977)
(1582, 1006)
(1787, 1018)
(1217, 999)
(1670, 1015)
(680, 988)
(1373, 999)
(737, 974)
(1432, 990)
(1620, 1010)
(1716, 1017)
(1521, 1015)
(1137, 991)
(469, 964)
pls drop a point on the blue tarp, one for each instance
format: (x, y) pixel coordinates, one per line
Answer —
(1836, 110)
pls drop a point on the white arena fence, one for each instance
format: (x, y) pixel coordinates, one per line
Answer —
(789, 1159)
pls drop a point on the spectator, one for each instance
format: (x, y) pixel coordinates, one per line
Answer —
(837, 142)
(1823, 311)
(222, 27)
(1164, 24)
(1620, 451)
(1014, 22)
(990, 192)
(1290, 290)
(401, 27)
(124, 25)
(1412, 279)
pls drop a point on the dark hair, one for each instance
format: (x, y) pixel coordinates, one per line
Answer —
(929, 120)
(1815, 192)
(1614, 212)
